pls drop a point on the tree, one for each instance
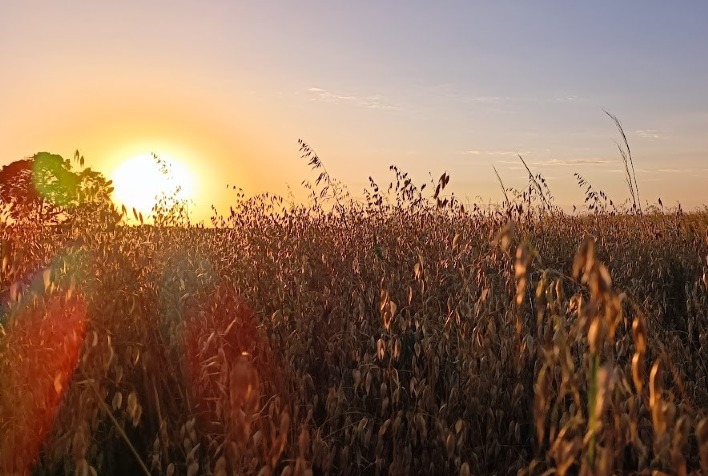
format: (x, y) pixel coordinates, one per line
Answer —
(44, 189)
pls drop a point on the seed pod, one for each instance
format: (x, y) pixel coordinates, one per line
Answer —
(132, 404)
(450, 444)
(117, 400)
(638, 371)
(585, 257)
(595, 337)
(702, 437)
(656, 387)
(639, 335)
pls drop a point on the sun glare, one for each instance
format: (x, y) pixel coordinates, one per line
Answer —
(140, 181)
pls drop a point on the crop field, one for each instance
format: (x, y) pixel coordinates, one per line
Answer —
(403, 333)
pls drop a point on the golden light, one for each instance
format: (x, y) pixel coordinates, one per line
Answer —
(141, 180)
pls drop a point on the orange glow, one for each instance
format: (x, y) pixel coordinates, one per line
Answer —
(49, 341)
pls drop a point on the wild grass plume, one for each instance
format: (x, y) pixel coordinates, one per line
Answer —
(403, 334)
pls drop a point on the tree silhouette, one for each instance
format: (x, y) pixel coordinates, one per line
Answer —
(44, 189)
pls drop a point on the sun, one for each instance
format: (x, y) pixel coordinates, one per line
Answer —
(141, 180)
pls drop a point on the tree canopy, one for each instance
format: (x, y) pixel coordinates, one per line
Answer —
(44, 189)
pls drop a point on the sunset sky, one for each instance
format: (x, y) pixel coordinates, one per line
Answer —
(226, 88)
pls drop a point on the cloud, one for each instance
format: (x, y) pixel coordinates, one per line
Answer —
(371, 102)
(651, 134)
(567, 162)
(567, 98)
(515, 164)
(508, 152)
(675, 171)
(498, 153)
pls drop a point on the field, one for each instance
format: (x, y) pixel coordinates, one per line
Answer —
(405, 334)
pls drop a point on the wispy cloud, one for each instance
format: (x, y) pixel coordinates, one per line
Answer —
(674, 170)
(371, 102)
(511, 164)
(453, 92)
(570, 162)
(498, 153)
(651, 134)
(567, 98)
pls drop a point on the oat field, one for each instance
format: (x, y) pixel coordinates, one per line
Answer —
(405, 333)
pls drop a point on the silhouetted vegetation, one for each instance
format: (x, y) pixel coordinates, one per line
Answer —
(44, 189)
(403, 334)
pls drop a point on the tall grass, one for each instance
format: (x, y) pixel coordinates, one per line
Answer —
(405, 334)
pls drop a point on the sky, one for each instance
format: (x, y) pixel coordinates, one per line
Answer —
(226, 89)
